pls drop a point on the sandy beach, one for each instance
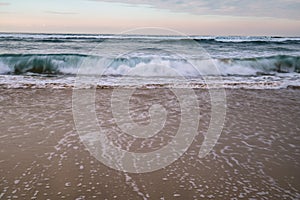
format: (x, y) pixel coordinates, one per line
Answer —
(162, 100)
(257, 155)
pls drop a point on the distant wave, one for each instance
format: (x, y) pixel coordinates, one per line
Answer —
(254, 41)
(56, 64)
(164, 39)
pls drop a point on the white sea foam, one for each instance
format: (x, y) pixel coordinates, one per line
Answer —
(263, 82)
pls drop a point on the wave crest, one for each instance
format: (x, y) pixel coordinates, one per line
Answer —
(57, 64)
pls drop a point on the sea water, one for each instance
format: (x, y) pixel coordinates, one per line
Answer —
(54, 60)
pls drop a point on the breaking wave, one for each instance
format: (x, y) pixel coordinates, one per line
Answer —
(59, 64)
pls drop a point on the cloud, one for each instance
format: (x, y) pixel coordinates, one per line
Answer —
(4, 4)
(60, 13)
(254, 8)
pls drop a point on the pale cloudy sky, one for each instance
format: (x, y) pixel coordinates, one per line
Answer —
(194, 17)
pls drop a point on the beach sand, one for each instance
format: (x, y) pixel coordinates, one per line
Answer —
(257, 155)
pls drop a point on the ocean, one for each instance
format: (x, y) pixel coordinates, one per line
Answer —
(149, 117)
(54, 60)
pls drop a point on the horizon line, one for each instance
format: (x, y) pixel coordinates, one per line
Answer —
(150, 34)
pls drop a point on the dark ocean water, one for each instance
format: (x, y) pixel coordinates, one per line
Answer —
(143, 59)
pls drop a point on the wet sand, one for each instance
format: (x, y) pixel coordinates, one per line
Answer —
(257, 155)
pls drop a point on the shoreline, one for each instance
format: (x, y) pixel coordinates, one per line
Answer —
(257, 155)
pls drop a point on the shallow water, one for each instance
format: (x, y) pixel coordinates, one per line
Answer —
(256, 156)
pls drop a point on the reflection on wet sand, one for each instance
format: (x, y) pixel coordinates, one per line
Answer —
(257, 155)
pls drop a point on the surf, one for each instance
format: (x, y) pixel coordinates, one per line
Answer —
(151, 65)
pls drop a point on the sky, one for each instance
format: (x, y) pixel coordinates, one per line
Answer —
(191, 17)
